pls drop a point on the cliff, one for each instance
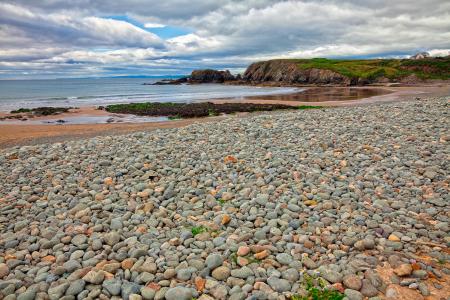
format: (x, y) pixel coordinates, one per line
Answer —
(348, 72)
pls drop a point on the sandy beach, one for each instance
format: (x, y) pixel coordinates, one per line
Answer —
(29, 133)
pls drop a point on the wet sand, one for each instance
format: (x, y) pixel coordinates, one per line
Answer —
(21, 133)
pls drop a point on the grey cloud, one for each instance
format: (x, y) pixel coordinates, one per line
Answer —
(72, 35)
(74, 29)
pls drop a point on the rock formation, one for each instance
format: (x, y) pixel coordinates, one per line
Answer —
(210, 76)
(201, 76)
(286, 71)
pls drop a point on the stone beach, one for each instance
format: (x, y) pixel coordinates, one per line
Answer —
(242, 208)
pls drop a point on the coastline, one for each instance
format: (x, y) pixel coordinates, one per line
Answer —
(20, 134)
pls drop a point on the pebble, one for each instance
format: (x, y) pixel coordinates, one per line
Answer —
(214, 261)
(94, 277)
(113, 286)
(221, 273)
(353, 295)
(403, 270)
(179, 293)
(279, 285)
(335, 192)
(352, 281)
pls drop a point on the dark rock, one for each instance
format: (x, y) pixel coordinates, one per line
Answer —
(210, 76)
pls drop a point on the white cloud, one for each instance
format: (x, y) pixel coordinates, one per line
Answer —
(154, 25)
(89, 31)
(72, 37)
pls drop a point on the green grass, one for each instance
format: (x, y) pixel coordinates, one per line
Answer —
(21, 110)
(431, 68)
(140, 106)
(315, 290)
(221, 201)
(198, 229)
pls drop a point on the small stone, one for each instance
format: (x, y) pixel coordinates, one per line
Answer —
(79, 240)
(243, 251)
(108, 181)
(213, 261)
(243, 272)
(184, 274)
(129, 288)
(71, 265)
(221, 273)
(310, 202)
(113, 286)
(58, 291)
(284, 258)
(169, 273)
(367, 289)
(128, 263)
(76, 287)
(261, 255)
(391, 293)
(112, 238)
(423, 288)
(94, 277)
(352, 282)
(219, 292)
(292, 275)
(149, 267)
(331, 276)
(309, 263)
(148, 293)
(179, 293)
(199, 283)
(225, 219)
(403, 270)
(4, 270)
(393, 238)
(353, 295)
(422, 274)
(279, 285)
(30, 294)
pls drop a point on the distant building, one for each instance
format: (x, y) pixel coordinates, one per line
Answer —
(420, 55)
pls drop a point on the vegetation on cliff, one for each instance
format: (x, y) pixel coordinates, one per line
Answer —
(349, 72)
(429, 68)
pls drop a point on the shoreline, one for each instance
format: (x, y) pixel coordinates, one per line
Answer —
(21, 134)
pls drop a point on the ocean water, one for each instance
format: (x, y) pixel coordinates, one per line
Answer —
(16, 94)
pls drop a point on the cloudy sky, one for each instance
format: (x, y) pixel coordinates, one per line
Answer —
(85, 38)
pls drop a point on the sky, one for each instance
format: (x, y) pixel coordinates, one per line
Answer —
(99, 38)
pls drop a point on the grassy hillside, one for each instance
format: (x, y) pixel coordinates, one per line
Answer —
(430, 68)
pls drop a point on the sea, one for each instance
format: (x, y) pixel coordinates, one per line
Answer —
(16, 94)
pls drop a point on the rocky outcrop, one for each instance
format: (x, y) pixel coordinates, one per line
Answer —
(200, 76)
(170, 81)
(210, 76)
(288, 72)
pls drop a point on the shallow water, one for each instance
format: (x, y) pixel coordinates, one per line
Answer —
(323, 94)
(15, 94)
